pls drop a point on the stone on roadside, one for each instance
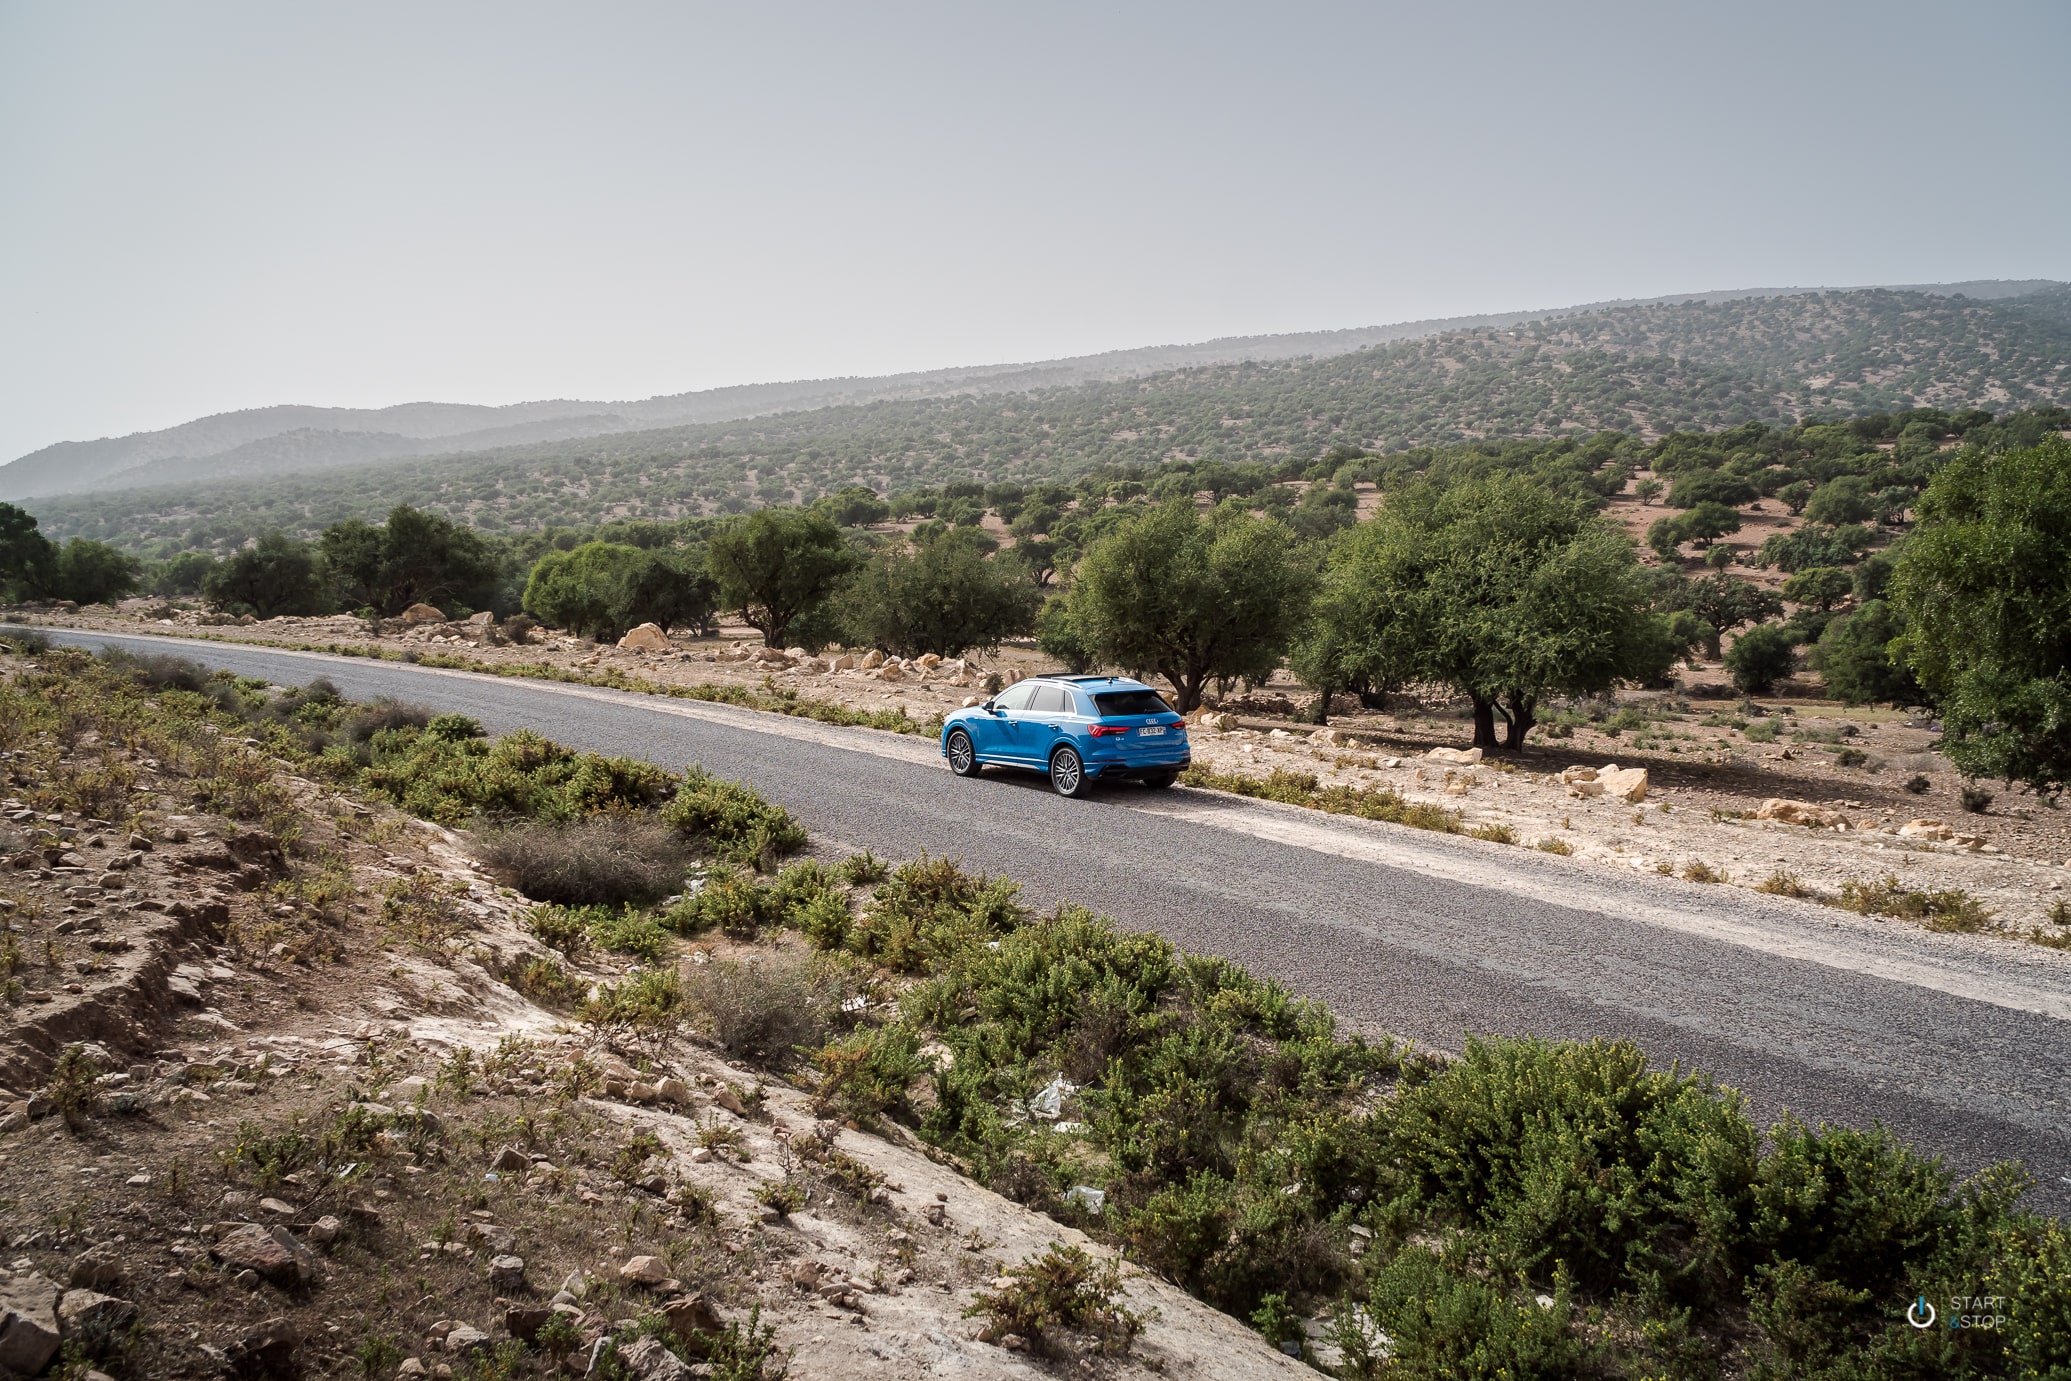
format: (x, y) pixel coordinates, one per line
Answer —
(423, 613)
(467, 1338)
(1801, 813)
(1627, 784)
(511, 1160)
(646, 637)
(1461, 757)
(507, 1272)
(672, 1090)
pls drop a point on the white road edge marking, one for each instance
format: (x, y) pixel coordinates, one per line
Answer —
(1264, 821)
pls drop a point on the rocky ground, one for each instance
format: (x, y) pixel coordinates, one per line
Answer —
(1861, 795)
(270, 1104)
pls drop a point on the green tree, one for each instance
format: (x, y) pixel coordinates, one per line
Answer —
(1854, 657)
(777, 566)
(1499, 587)
(1984, 587)
(942, 596)
(1761, 657)
(1796, 495)
(1842, 499)
(414, 558)
(1725, 603)
(600, 589)
(90, 572)
(1191, 597)
(183, 574)
(26, 555)
(1707, 521)
(853, 506)
(1059, 635)
(1822, 587)
(275, 575)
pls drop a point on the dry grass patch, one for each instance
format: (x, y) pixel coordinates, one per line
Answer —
(1954, 909)
(607, 859)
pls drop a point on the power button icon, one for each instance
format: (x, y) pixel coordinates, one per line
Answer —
(1920, 1313)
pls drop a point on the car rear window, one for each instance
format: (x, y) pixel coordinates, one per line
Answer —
(1113, 703)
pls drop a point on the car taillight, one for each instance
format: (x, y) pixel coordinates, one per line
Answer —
(1102, 729)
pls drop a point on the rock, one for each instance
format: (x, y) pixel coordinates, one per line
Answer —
(97, 1268)
(649, 1359)
(1800, 813)
(806, 1274)
(889, 672)
(1328, 737)
(500, 1241)
(575, 1285)
(28, 1322)
(1577, 773)
(511, 1159)
(1928, 829)
(324, 1231)
(93, 1314)
(1583, 791)
(423, 613)
(412, 1367)
(640, 1092)
(277, 1208)
(691, 1315)
(647, 637)
(465, 1338)
(268, 1350)
(1463, 757)
(523, 1321)
(930, 660)
(271, 1252)
(731, 1101)
(644, 1270)
(507, 1272)
(1628, 784)
(672, 1090)
(872, 660)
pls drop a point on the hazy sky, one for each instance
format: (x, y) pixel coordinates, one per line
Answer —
(211, 206)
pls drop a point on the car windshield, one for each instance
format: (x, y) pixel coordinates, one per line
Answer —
(1113, 703)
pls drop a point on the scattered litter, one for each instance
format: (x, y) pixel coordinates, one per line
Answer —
(1087, 1197)
(1048, 1104)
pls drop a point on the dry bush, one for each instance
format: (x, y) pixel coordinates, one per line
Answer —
(762, 1010)
(599, 860)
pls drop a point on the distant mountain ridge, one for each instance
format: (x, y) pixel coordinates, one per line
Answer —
(295, 439)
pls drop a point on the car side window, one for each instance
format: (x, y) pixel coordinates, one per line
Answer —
(1014, 698)
(1048, 700)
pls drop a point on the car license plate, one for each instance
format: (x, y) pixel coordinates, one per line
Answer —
(1151, 730)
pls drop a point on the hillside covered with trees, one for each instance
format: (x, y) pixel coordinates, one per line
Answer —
(1645, 371)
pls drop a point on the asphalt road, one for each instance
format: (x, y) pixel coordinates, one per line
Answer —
(1959, 1043)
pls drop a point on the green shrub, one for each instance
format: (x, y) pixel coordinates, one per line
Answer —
(1448, 1327)
(733, 820)
(867, 1074)
(1061, 1289)
(928, 909)
(1761, 657)
(1954, 909)
(723, 899)
(1580, 1154)
(647, 1001)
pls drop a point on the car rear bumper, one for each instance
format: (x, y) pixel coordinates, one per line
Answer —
(1139, 769)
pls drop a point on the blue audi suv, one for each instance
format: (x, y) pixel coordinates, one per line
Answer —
(1074, 729)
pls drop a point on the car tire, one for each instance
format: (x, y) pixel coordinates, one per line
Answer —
(1158, 781)
(963, 757)
(1068, 773)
